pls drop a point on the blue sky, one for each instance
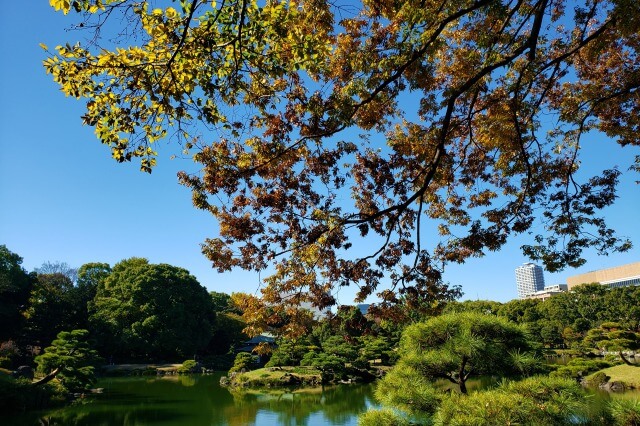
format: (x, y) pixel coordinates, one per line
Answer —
(62, 197)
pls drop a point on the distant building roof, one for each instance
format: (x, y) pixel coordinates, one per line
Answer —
(613, 277)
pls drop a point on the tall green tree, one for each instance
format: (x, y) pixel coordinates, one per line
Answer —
(90, 275)
(148, 311)
(52, 308)
(58, 267)
(15, 287)
(227, 333)
(317, 124)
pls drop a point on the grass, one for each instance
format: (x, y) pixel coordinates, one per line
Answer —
(628, 374)
(272, 376)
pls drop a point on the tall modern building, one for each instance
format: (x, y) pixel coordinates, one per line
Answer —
(529, 279)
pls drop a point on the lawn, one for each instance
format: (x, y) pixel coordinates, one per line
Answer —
(276, 376)
(628, 374)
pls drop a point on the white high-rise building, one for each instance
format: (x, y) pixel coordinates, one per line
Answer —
(529, 279)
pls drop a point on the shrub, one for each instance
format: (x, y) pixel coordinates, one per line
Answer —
(580, 367)
(243, 361)
(625, 412)
(598, 379)
(533, 401)
(419, 398)
(189, 366)
(384, 417)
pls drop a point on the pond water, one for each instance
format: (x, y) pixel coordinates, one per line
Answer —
(199, 400)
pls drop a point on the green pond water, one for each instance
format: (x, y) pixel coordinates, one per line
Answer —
(199, 400)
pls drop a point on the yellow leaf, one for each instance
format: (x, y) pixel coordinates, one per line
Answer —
(64, 5)
(44, 46)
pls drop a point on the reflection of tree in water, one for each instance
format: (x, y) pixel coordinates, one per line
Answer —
(200, 401)
(337, 404)
(170, 400)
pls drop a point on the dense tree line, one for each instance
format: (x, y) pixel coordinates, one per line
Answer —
(133, 311)
(564, 320)
(138, 311)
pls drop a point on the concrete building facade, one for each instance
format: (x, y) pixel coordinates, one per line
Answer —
(529, 279)
(549, 291)
(619, 276)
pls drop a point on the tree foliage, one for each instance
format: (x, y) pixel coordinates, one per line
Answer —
(63, 268)
(227, 333)
(52, 308)
(71, 359)
(149, 311)
(456, 346)
(318, 123)
(243, 361)
(610, 336)
(90, 275)
(15, 287)
(533, 401)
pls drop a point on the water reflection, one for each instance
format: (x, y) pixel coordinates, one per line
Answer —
(199, 400)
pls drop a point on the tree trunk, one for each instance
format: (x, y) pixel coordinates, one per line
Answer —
(625, 360)
(49, 377)
(462, 377)
(463, 386)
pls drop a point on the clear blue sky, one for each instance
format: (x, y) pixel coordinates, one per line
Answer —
(62, 197)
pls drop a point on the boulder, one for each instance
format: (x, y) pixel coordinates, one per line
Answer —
(24, 371)
(290, 380)
(613, 386)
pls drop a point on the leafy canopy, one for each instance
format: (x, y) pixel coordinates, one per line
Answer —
(15, 286)
(317, 123)
(150, 311)
(73, 357)
(457, 346)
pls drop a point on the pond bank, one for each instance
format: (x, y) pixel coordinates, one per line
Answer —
(270, 377)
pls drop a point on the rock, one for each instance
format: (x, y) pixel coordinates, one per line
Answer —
(613, 386)
(617, 387)
(290, 380)
(24, 371)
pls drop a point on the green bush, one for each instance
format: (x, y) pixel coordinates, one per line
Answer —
(625, 412)
(580, 367)
(243, 361)
(189, 366)
(418, 398)
(533, 401)
(383, 417)
(598, 379)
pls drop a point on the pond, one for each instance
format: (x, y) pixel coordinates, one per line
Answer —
(199, 400)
